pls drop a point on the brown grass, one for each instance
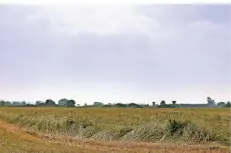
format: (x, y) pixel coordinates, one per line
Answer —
(25, 137)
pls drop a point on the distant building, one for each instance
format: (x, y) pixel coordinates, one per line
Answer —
(210, 103)
(98, 104)
(193, 105)
(39, 102)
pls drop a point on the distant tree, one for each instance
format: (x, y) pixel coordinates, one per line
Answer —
(120, 105)
(173, 102)
(153, 104)
(162, 103)
(71, 103)
(2, 103)
(134, 105)
(7, 103)
(16, 103)
(63, 102)
(38, 102)
(108, 105)
(23, 103)
(228, 104)
(144, 105)
(210, 101)
(221, 104)
(50, 102)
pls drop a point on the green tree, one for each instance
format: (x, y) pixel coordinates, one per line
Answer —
(38, 102)
(71, 103)
(162, 103)
(2, 103)
(210, 101)
(120, 105)
(50, 102)
(63, 102)
(134, 105)
(23, 103)
(174, 102)
(228, 104)
(16, 103)
(221, 104)
(8, 103)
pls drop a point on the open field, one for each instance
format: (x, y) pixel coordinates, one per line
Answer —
(125, 130)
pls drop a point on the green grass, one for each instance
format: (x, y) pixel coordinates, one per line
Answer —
(192, 126)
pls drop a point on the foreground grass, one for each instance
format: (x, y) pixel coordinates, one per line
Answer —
(191, 126)
(13, 139)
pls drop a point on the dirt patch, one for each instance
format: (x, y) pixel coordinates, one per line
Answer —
(17, 131)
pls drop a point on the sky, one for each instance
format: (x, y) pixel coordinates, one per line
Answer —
(115, 53)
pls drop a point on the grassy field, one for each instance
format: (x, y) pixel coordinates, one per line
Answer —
(86, 129)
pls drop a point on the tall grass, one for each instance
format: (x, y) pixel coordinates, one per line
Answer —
(153, 125)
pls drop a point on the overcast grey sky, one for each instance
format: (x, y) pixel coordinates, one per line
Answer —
(120, 53)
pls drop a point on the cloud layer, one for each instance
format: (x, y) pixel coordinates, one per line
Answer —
(139, 53)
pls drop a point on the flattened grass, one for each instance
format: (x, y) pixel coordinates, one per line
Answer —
(127, 124)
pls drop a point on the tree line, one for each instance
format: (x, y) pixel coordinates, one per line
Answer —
(71, 103)
(48, 102)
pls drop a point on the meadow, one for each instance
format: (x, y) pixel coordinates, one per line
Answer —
(181, 126)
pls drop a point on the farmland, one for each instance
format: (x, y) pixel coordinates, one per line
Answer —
(114, 129)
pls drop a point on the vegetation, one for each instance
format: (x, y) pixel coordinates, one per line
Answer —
(71, 103)
(228, 104)
(11, 134)
(124, 123)
(88, 129)
(148, 125)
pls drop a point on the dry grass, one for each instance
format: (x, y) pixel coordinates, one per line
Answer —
(13, 139)
(124, 126)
